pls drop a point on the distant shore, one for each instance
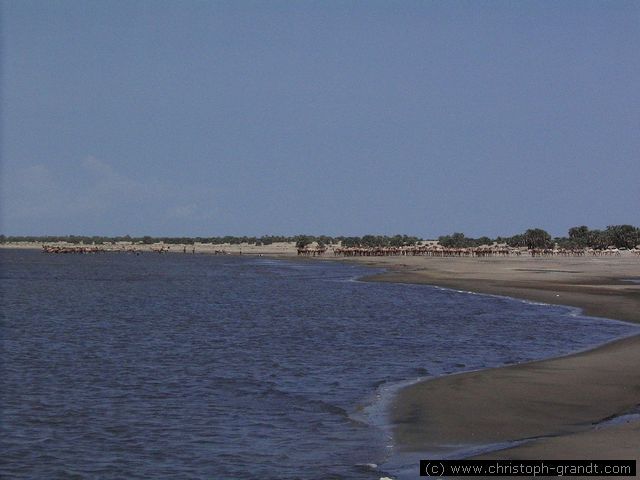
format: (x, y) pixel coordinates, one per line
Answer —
(555, 403)
(274, 249)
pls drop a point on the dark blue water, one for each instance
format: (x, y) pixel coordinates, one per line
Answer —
(182, 366)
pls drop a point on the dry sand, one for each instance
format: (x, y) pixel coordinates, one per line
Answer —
(555, 403)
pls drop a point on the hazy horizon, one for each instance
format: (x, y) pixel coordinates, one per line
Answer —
(327, 118)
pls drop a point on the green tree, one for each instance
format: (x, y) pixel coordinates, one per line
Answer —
(483, 241)
(537, 238)
(303, 240)
(455, 240)
(598, 239)
(351, 241)
(579, 236)
(623, 236)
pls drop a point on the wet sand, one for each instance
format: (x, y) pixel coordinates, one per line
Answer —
(555, 404)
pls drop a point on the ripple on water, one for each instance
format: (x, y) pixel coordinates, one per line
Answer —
(209, 367)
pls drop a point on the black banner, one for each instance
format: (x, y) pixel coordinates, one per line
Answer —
(527, 468)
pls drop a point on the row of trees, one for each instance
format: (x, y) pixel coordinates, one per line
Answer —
(299, 240)
(532, 238)
(379, 241)
(148, 240)
(620, 236)
(365, 241)
(459, 240)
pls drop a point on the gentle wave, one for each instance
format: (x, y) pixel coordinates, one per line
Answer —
(172, 366)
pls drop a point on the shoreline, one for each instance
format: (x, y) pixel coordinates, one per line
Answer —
(553, 408)
(553, 405)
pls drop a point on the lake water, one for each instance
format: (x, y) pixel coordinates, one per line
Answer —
(193, 366)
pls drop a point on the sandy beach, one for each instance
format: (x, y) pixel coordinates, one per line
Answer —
(557, 404)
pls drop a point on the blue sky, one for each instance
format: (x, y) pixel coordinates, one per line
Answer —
(334, 117)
